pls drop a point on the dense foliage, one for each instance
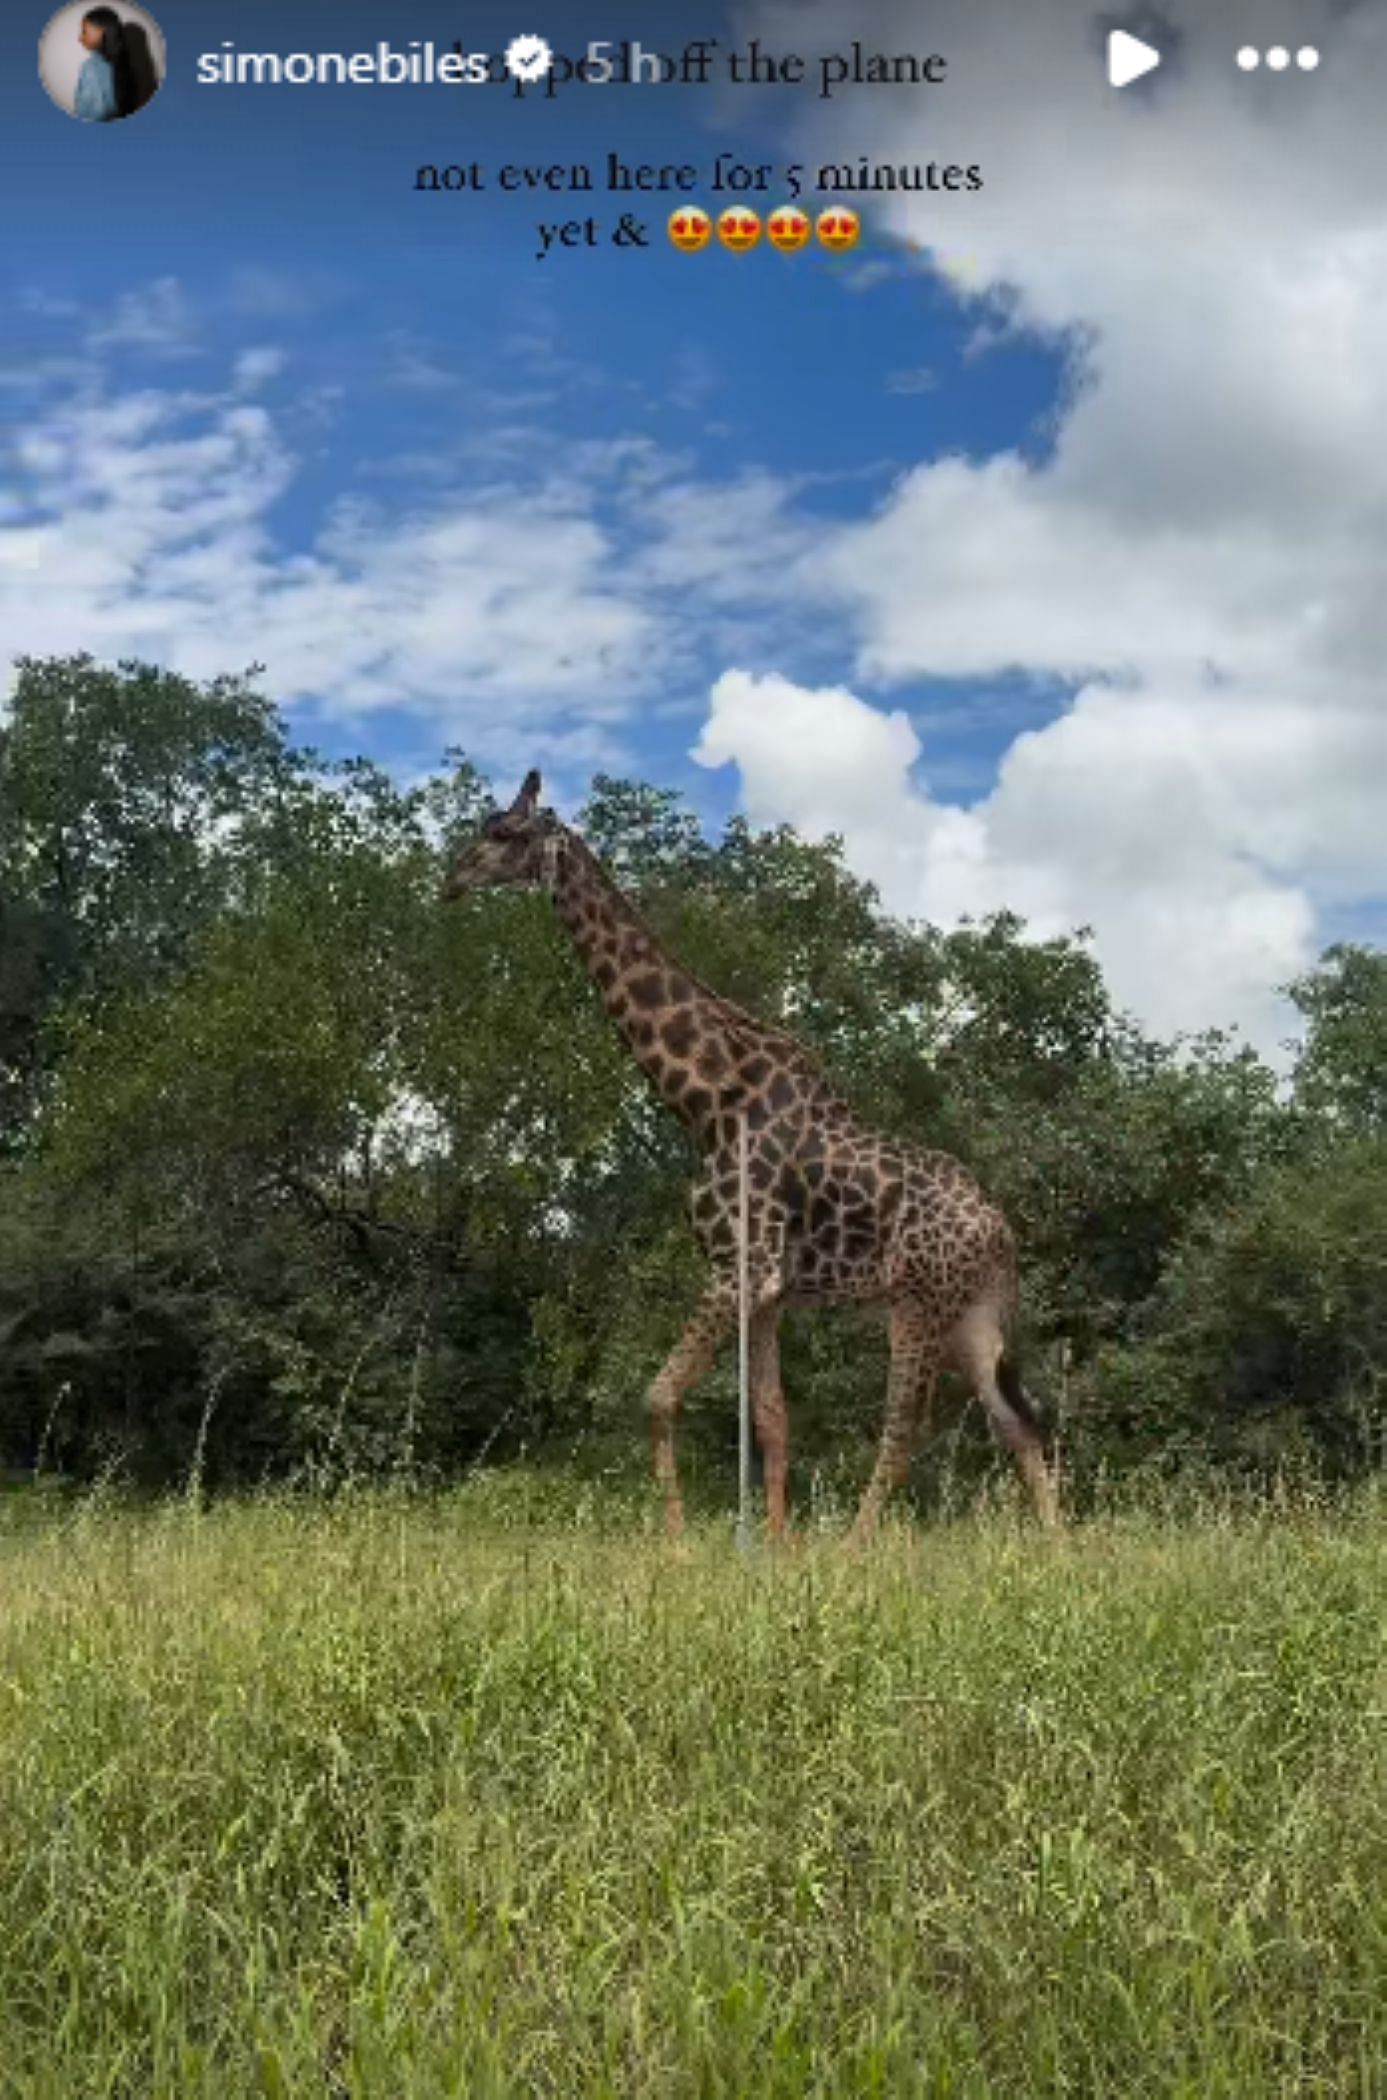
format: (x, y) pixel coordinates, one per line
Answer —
(301, 1172)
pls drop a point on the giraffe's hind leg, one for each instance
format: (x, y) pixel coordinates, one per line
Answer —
(914, 1363)
(977, 1347)
(768, 1397)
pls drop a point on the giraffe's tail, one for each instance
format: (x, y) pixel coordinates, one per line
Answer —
(1022, 1402)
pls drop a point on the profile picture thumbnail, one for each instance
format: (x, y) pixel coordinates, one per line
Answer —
(102, 64)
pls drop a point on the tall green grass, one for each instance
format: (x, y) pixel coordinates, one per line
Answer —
(478, 1796)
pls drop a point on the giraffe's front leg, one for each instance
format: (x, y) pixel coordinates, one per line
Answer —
(689, 1361)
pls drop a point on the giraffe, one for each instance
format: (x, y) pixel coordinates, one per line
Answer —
(838, 1213)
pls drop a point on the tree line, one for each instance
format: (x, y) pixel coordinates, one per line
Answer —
(302, 1175)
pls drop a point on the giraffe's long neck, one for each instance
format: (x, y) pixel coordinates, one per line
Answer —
(700, 1054)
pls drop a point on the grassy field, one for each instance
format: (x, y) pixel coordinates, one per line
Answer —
(477, 1797)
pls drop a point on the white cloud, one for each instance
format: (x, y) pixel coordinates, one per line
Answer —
(156, 319)
(148, 531)
(524, 605)
(1112, 820)
(730, 543)
(1200, 556)
(256, 368)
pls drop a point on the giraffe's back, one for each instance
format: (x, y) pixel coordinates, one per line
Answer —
(843, 1214)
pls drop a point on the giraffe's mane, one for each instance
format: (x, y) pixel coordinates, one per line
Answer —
(733, 1016)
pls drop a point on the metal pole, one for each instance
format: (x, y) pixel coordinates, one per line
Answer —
(744, 1338)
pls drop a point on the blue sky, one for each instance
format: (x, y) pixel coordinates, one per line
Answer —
(866, 544)
(409, 325)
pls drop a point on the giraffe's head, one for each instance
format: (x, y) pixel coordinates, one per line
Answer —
(514, 849)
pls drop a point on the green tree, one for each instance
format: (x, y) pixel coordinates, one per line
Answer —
(119, 790)
(304, 1168)
(1267, 1338)
(1341, 1072)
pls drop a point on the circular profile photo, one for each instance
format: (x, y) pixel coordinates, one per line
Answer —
(102, 63)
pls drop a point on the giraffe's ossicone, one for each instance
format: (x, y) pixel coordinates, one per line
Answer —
(838, 1213)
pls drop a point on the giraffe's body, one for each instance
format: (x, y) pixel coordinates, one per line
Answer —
(838, 1214)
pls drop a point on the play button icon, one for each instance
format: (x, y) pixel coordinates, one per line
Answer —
(1129, 58)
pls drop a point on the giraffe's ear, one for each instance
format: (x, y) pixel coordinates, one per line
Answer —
(524, 803)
